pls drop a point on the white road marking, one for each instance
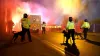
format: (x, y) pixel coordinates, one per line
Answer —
(61, 50)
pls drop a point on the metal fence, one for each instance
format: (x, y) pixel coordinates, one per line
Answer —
(95, 28)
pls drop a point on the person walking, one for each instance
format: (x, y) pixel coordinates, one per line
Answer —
(25, 28)
(85, 26)
(70, 27)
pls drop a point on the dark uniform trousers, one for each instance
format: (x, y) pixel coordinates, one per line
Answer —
(43, 30)
(85, 30)
(71, 33)
(24, 30)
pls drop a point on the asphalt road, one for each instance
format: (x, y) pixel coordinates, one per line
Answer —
(49, 44)
(89, 47)
(34, 48)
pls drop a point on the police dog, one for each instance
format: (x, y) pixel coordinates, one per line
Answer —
(16, 34)
(78, 35)
(65, 35)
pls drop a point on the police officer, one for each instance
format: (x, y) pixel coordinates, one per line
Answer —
(70, 27)
(25, 27)
(43, 27)
(85, 27)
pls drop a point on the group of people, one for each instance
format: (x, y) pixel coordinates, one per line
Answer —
(70, 27)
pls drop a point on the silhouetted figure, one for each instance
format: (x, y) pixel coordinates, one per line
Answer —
(25, 28)
(70, 27)
(72, 50)
(43, 27)
(85, 27)
(10, 26)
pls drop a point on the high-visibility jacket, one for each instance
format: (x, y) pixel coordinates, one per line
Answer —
(85, 25)
(43, 25)
(25, 23)
(70, 25)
